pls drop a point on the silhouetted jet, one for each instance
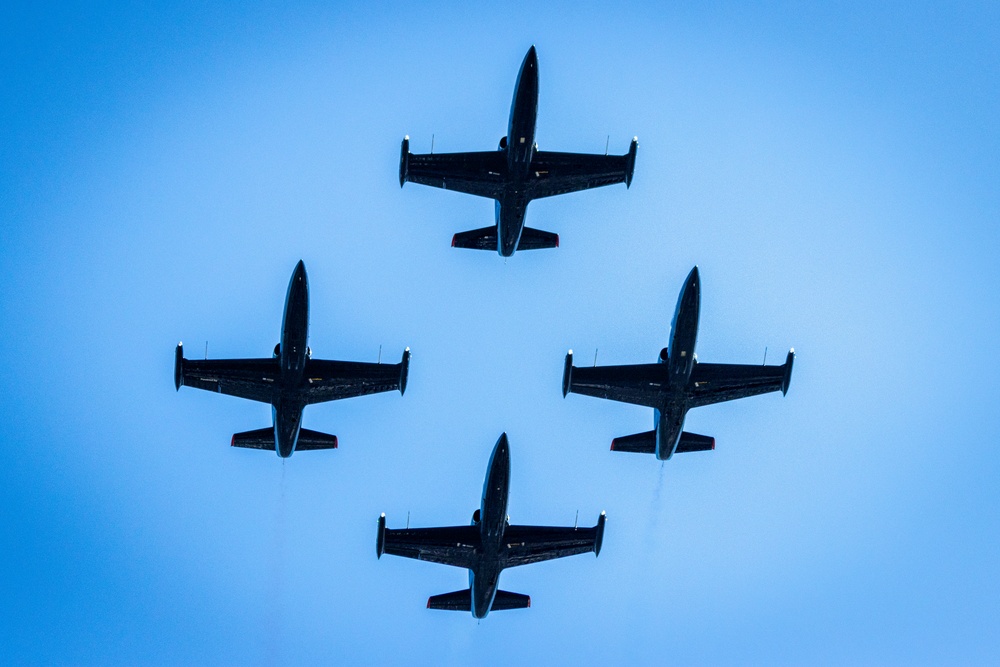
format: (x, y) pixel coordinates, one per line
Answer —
(674, 385)
(515, 174)
(489, 545)
(290, 380)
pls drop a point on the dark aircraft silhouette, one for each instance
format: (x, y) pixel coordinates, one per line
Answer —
(489, 545)
(674, 385)
(290, 380)
(515, 174)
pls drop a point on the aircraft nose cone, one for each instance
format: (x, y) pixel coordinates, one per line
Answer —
(531, 59)
(502, 449)
(694, 279)
(300, 271)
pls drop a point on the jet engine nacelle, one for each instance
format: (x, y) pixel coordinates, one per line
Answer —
(475, 518)
(664, 356)
(503, 143)
(277, 350)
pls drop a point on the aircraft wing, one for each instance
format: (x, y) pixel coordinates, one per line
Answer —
(559, 173)
(478, 173)
(715, 383)
(639, 384)
(332, 380)
(533, 544)
(455, 545)
(247, 378)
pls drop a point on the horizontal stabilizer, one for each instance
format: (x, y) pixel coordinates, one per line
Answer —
(309, 440)
(645, 443)
(262, 438)
(476, 239)
(462, 601)
(456, 601)
(692, 442)
(536, 239)
(638, 443)
(507, 600)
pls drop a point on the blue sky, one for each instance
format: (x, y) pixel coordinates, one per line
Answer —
(833, 172)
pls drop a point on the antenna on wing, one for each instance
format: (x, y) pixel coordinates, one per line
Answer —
(432, 144)
(595, 357)
(407, 519)
(576, 521)
(765, 356)
(380, 354)
(206, 349)
(606, 144)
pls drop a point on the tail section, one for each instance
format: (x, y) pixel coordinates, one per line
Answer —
(263, 438)
(476, 239)
(536, 239)
(645, 443)
(462, 601)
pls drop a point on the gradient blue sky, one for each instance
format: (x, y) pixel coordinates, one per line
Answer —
(835, 173)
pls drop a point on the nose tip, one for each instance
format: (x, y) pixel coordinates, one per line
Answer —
(531, 59)
(694, 276)
(300, 268)
(502, 445)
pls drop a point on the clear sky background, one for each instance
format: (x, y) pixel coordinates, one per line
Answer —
(834, 173)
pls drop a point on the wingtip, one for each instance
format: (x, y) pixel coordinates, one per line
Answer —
(179, 366)
(454, 239)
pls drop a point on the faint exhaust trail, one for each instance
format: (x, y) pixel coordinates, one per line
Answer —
(274, 605)
(655, 506)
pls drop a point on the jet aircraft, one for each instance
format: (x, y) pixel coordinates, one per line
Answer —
(675, 384)
(515, 174)
(489, 545)
(290, 380)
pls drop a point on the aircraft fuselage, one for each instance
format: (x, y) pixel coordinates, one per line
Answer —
(519, 146)
(292, 354)
(484, 577)
(679, 358)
